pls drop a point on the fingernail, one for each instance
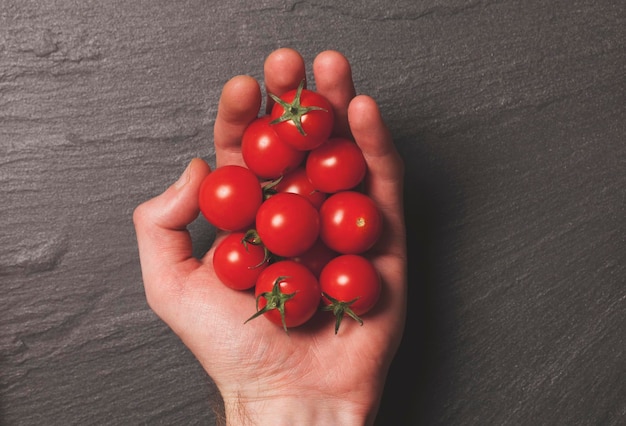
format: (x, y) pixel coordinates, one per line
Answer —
(184, 178)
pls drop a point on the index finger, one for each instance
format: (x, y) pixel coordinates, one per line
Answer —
(239, 104)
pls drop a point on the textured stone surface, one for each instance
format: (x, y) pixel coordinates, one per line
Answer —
(511, 118)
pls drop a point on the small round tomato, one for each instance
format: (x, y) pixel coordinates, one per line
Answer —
(350, 222)
(287, 224)
(267, 155)
(303, 118)
(336, 165)
(230, 197)
(350, 285)
(316, 257)
(287, 293)
(297, 182)
(238, 263)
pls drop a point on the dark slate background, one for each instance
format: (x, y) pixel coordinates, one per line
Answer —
(510, 116)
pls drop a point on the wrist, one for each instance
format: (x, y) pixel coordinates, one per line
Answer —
(295, 410)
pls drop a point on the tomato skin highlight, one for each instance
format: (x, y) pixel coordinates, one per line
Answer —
(287, 224)
(237, 263)
(350, 222)
(229, 197)
(297, 182)
(265, 153)
(336, 165)
(316, 124)
(351, 277)
(293, 279)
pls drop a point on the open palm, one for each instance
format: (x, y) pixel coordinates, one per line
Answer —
(257, 367)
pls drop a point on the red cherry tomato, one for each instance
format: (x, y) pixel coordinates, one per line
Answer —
(297, 182)
(238, 263)
(336, 165)
(302, 118)
(316, 257)
(267, 155)
(230, 197)
(350, 222)
(288, 294)
(287, 224)
(350, 285)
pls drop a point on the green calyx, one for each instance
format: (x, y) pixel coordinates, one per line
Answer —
(340, 308)
(294, 111)
(269, 188)
(252, 237)
(274, 299)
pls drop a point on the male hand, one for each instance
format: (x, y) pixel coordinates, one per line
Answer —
(265, 375)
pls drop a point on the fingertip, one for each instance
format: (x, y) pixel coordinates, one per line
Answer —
(199, 167)
(370, 132)
(333, 79)
(331, 68)
(239, 104)
(363, 105)
(283, 67)
(196, 166)
(177, 206)
(240, 99)
(368, 126)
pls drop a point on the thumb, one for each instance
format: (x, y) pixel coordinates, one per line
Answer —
(165, 249)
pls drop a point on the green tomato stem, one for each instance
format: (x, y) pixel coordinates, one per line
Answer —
(340, 308)
(275, 299)
(294, 111)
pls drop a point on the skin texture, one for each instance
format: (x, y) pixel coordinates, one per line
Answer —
(264, 374)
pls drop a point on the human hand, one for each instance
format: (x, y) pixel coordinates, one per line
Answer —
(311, 375)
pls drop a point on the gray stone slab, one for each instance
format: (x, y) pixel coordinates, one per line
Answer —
(510, 116)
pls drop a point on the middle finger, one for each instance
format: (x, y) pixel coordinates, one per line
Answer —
(284, 70)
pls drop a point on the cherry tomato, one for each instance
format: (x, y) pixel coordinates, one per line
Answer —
(238, 263)
(267, 155)
(287, 224)
(350, 222)
(336, 165)
(287, 293)
(298, 182)
(350, 285)
(230, 197)
(316, 257)
(302, 118)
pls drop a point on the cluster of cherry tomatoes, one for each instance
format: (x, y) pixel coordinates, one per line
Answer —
(297, 224)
